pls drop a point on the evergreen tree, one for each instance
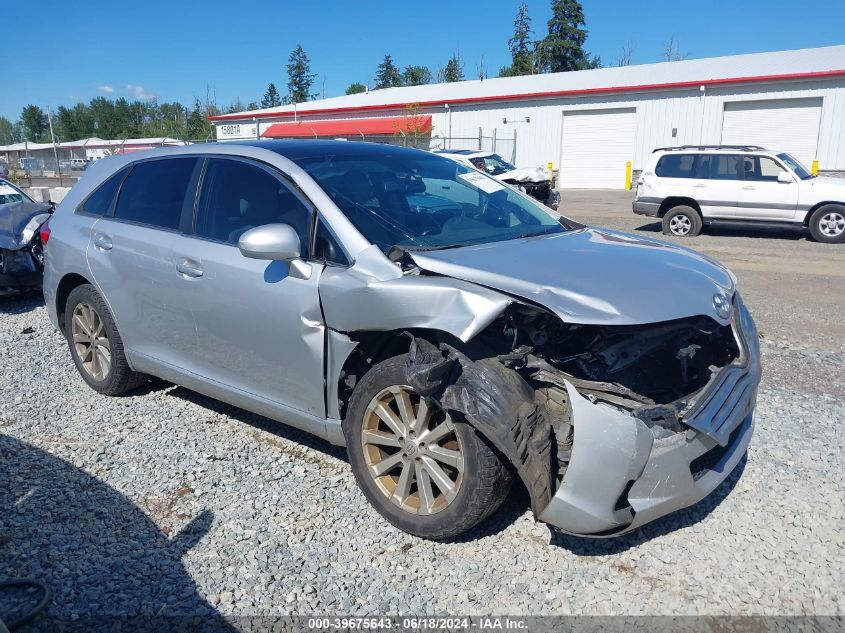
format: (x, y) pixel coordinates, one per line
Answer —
(7, 131)
(355, 88)
(416, 76)
(387, 75)
(300, 78)
(271, 97)
(521, 47)
(34, 123)
(199, 127)
(562, 49)
(454, 70)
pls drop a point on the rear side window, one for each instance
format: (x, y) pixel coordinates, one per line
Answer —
(237, 196)
(675, 166)
(724, 167)
(154, 192)
(100, 202)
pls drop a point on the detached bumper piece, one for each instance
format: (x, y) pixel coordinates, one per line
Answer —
(622, 475)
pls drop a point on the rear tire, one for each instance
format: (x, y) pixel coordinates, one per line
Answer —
(827, 224)
(682, 221)
(95, 344)
(479, 483)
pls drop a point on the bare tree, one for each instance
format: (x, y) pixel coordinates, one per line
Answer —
(481, 69)
(626, 54)
(672, 51)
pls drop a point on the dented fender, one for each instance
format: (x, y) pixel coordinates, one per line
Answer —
(355, 301)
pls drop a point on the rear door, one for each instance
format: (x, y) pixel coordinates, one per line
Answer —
(716, 184)
(132, 259)
(762, 197)
(259, 324)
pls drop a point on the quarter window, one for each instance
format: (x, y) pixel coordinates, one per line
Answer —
(155, 192)
(675, 166)
(326, 248)
(237, 196)
(100, 202)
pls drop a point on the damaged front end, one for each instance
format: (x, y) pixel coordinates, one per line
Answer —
(609, 427)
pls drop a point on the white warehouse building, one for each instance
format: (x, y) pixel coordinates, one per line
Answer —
(591, 124)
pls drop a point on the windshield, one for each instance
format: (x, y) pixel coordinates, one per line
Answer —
(416, 200)
(492, 164)
(795, 166)
(10, 193)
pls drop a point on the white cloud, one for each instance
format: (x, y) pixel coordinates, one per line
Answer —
(139, 93)
(107, 89)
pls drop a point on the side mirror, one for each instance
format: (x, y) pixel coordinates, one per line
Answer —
(277, 242)
(785, 177)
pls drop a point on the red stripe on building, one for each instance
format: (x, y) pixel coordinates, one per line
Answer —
(360, 127)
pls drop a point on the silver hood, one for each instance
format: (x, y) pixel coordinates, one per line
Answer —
(593, 275)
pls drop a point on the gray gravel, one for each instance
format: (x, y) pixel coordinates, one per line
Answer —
(168, 502)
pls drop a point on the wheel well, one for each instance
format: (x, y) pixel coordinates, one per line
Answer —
(816, 207)
(66, 285)
(675, 201)
(374, 347)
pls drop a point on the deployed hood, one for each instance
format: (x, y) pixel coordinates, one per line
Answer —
(527, 174)
(594, 276)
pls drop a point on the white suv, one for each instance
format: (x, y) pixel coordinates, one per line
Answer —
(692, 186)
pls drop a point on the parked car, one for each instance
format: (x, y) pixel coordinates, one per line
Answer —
(452, 333)
(76, 164)
(21, 254)
(535, 181)
(691, 187)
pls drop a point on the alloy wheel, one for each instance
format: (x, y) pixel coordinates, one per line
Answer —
(412, 451)
(832, 224)
(91, 341)
(680, 225)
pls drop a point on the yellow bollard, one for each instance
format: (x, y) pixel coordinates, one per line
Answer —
(816, 167)
(551, 169)
(628, 176)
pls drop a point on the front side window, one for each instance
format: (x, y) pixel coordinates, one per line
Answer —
(238, 196)
(492, 164)
(155, 192)
(760, 168)
(100, 202)
(675, 166)
(417, 200)
(802, 172)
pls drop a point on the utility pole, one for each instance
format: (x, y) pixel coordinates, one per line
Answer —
(55, 149)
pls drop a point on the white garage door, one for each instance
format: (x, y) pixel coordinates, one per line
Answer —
(597, 144)
(788, 125)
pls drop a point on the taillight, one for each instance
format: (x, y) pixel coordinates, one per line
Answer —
(45, 233)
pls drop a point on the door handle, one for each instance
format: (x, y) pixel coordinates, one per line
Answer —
(103, 242)
(749, 187)
(699, 186)
(189, 268)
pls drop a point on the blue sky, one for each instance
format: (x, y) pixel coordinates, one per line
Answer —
(73, 51)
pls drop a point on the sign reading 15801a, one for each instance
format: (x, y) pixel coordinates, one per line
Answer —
(236, 130)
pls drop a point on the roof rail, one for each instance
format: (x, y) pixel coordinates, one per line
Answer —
(747, 148)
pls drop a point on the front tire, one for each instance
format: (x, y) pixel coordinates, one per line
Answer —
(827, 224)
(682, 221)
(95, 344)
(426, 473)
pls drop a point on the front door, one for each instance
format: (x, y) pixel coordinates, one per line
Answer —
(259, 327)
(761, 195)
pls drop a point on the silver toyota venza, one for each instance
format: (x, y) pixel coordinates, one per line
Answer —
(451, 332)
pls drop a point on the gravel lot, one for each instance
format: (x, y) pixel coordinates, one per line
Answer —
(166, 502)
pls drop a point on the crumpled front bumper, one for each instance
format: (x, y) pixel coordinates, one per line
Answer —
(621, 475)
